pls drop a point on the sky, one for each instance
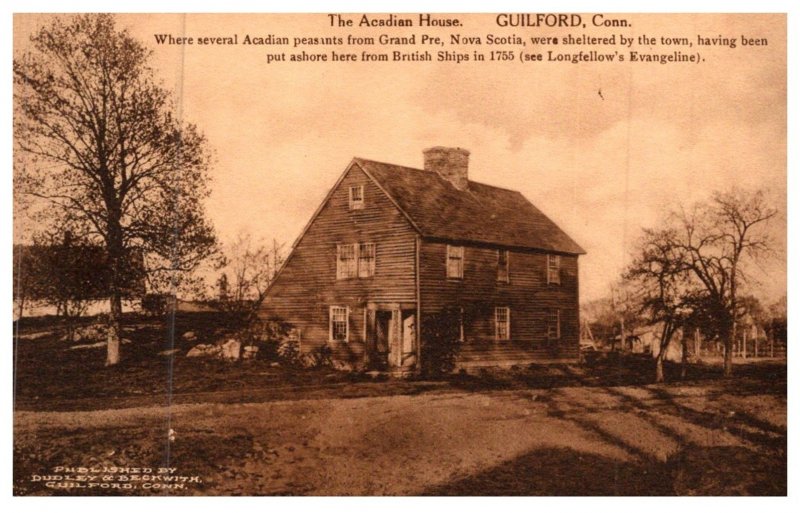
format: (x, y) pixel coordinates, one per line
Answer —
(602, 149)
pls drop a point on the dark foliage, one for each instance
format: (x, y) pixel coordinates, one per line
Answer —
(442, 342)
(156, 305)
(320, 357)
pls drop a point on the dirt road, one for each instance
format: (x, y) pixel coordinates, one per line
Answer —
(565, 441)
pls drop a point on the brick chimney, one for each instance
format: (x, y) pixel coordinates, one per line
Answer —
(451, 164)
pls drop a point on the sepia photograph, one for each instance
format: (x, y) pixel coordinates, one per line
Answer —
(399, 254)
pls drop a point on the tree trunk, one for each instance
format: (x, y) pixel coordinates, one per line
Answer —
(21, 307)
(727, 366)
(684, 356)
(730, 340)
(666, 337)
(116, 252)
(114, 330)
(660, 367)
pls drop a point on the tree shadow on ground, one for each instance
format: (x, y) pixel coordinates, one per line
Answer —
(691, 470)
(742, 425)
(561, 471)
(565, 472)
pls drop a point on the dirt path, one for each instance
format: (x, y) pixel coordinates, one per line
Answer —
(473, 443)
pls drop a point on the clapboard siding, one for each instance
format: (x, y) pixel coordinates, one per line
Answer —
(527, 294)
(307, 285)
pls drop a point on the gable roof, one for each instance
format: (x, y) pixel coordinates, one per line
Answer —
(481, 213)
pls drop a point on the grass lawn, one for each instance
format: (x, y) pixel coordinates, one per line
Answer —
(252, 428)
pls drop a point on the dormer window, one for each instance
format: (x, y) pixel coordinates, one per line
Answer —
(356, 197)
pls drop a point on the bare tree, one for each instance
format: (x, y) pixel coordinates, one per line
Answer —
(714, 240)
(106, 154)
(663, 286)
(252, 265)
(708, 245)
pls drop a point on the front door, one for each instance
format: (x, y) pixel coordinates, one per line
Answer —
(379, 359)
(392, 342)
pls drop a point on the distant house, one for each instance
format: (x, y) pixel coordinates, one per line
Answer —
(390, 245)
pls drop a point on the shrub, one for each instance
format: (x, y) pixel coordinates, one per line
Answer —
(289, 353)
(267, 335)
(441, 345)
(320, 357)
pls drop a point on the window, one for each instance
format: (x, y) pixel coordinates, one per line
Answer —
(553, 324)
(502, 323)
(355, 260)
(356, 197)
(339, 328)
(455, 261)
(346, 263)
(554, 269)
(502, 265)
(366, 259)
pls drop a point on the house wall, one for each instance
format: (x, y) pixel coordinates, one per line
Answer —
(527, 294)
(307, 286)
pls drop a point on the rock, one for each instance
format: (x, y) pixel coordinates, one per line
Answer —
(91, 333)
(249, 352)
(102, 343)
(89, 346)
(189, 336)
(231, 349)
(169, 352)
(204, 350)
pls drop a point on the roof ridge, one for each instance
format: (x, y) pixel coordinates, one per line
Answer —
(484, 184)
(425, 197)
(362, 159)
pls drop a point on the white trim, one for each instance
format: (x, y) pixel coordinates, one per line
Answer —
(460, 252)
(364, 328)
(346, 269)
(346, 323)
(356, 204)
(351, 267)
(506, 321)
(370, 269)
(557, 260)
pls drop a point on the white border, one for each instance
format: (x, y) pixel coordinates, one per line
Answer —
(728, 505)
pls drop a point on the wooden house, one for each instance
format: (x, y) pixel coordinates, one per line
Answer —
(390, 245)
